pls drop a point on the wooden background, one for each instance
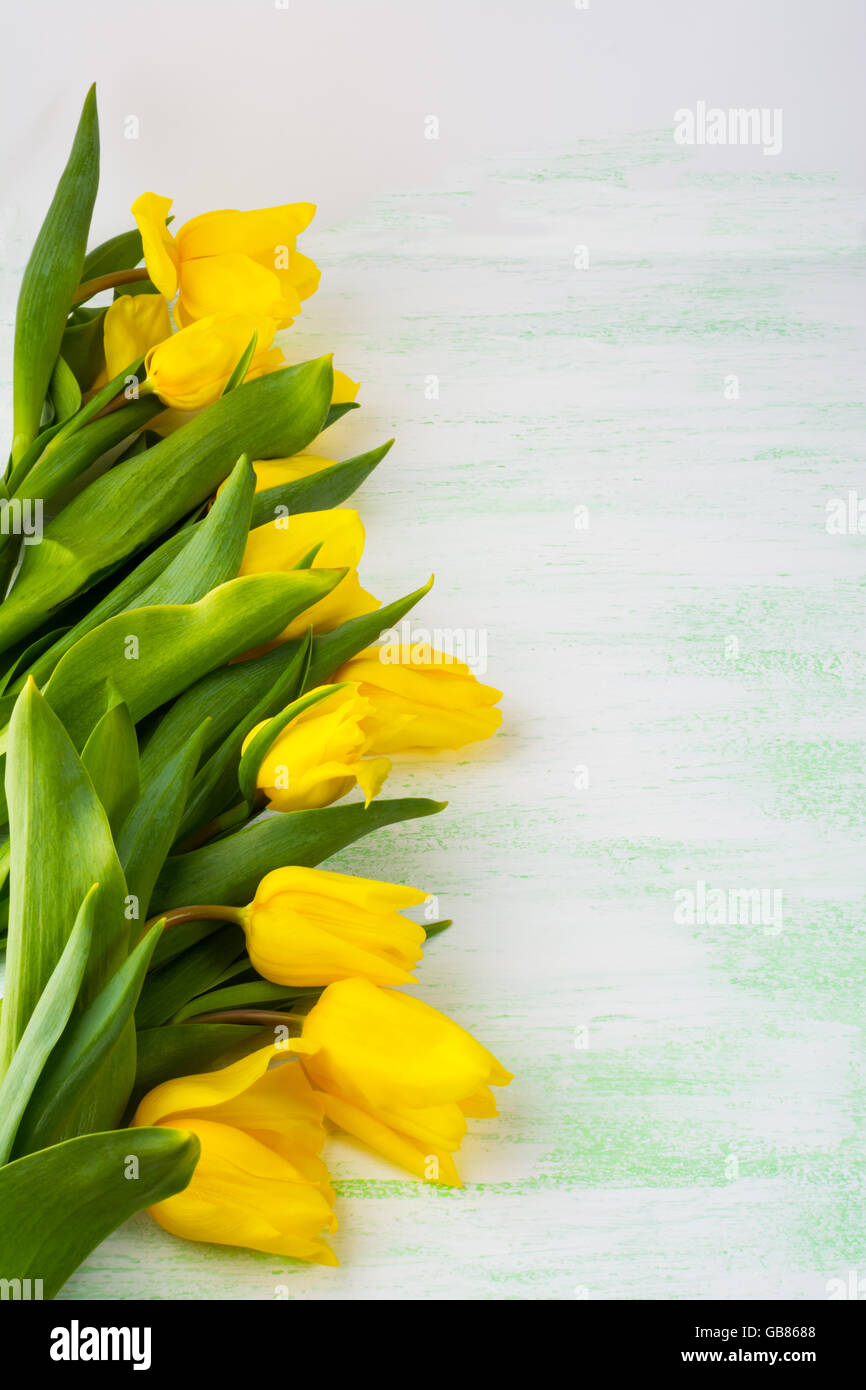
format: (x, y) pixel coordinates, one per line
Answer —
(683, 682)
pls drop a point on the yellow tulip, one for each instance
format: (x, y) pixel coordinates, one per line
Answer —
(321, 755)
(190, 369)
(133, 325)
(312, 927)
(398, 1075)
(229, 262)
(421, 698)
(259, 1181)
(281, 544)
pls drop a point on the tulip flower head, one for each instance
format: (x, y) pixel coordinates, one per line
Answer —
(312, 927)
(398, 1075)
(321, 755)
(229, 262)
(421, 699)
(190, 369)
(259, 1181)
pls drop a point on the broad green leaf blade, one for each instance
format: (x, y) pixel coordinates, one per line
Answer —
(59, 467)
(51, 278)
(86, 1082)
(44, 1027)
(56, 1206)
(149, 830)
(230, 870)
(120, 599)
(110, 756)
(151, 654)
(166, 575)
(58, 824)
(215, 785)
(199, 968)
(141, 498)
(256, 750)
(167, 1052)
(315, 493)
(216, 545)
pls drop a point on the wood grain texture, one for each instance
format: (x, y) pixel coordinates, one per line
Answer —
(687, 1118)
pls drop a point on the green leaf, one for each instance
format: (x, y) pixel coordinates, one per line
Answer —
(215, 785)
(332, 649)
(186, 1050)
(45, 1026)
(60, 845)
(173, 943)
(86, 1082)
(122, 252)
(242, 366)
(82, 346)
(140, 498)
(195, 559)
(336, 412)
(327, 488)
(64, 391)
(256, 750)
(251, 994)
(120, 599)
(59, 467)
(230, 693)
(151, 654)
(149, 830)
(230, 869)
(51, 278)
(434, 928)
(56, 1206)
(215, 548)
(198, 969)
(111, 758)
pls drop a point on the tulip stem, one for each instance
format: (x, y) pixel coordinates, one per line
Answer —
(196, 913)
(246, 1016)
(89, 288)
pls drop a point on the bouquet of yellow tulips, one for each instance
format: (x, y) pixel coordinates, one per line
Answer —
(192, 677)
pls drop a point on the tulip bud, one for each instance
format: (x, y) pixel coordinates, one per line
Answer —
(320, 755)
(190, 369)
(312, 927)
(398, 1075)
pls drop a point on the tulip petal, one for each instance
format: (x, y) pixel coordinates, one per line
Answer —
(232, 284)
(433, 1166)
(160, 250)
(244, 1193)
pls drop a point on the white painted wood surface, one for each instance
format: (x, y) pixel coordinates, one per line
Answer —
(687, 1118)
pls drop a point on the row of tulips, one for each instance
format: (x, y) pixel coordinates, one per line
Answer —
(194, 678)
